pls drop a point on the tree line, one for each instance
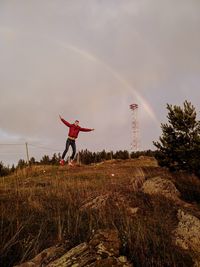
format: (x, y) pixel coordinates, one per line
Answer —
(84, 156)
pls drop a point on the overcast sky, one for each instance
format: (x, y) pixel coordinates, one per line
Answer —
(89, 60)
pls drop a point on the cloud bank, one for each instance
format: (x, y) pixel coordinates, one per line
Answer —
(88, 61)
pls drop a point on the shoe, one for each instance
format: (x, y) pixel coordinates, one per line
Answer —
(70, 163)
(62, 162)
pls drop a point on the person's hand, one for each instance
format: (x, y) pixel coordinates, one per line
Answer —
(60, 117)
(92, 129)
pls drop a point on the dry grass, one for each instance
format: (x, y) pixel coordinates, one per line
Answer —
(43, 205)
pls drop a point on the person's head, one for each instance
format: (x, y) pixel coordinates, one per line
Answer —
(76, 122)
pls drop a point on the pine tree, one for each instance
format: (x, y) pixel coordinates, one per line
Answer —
(45, 160)
(179, 145)
(3, 169)
(21, 164)
(32, 161)
(54, 160)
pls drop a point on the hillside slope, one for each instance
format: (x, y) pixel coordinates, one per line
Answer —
(75, 216)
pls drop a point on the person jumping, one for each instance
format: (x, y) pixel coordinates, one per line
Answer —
(74, 130)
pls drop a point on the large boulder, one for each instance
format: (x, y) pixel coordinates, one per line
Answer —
(100, 203)
(187, 234)
(158, 185)
(46, 256)
(103, 250)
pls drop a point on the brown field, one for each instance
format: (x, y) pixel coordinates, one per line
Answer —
(46, 205)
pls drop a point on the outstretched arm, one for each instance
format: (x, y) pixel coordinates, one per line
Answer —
(85, 129)
(64, 121)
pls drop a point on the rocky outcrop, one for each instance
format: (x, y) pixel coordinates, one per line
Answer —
(100, 203)
(158, 185)
(46, 256)
(96, 203)
(103, 250)
(187, 234)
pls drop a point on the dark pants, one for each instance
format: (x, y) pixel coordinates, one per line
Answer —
(71, 143)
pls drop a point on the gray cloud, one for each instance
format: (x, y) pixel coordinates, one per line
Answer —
(80, 59)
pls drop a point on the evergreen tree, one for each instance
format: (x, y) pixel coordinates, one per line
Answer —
(32, 161)
(12, 168)
(21, 164)
(121, 154)
(179, 145)
(54, 159)
(45, 160)
(103, 155)
(3, 169)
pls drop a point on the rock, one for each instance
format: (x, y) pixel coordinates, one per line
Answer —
(102, 201)
(96, 203)
(101, 251)
(76, 256)
(106, 242)
(109, 262)
(161, 186)
(46, 256)
(187, 235)
(122, 259)
(132, 211)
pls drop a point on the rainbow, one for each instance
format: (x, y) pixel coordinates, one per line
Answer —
(138, 97)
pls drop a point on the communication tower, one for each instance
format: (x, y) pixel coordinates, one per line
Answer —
(135, 128)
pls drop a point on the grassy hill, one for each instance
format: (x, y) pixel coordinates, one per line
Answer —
(42, 206)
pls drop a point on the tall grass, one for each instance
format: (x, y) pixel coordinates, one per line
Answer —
(43, 206)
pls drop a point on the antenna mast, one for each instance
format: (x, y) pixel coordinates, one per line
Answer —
(135, 128)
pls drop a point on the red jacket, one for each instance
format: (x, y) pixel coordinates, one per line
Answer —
(74, 130)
